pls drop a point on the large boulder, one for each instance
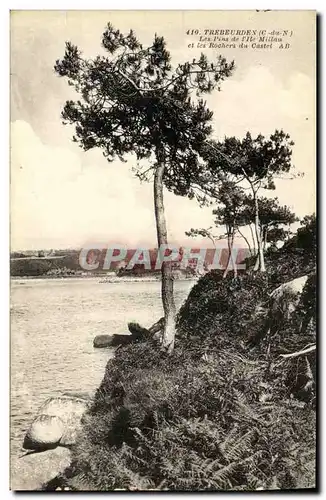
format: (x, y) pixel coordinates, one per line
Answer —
(111, 340)
(46, 431)
(103, 341)
(32, 471)
(282, 303)
(57, 423)
(138, 334)
(285, 299)
(291, 289)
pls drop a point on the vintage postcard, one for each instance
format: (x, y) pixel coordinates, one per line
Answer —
(163, 250)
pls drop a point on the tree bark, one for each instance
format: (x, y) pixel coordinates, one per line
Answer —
(166, 270)
(226, 270)
(252, 236)
(265, 238)
(260, 263)
(234, 264)
(255, 247)
(230, 236)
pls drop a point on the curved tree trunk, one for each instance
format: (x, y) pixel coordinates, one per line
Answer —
(246, 240)
(167, 277)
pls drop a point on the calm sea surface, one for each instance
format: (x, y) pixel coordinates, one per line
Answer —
(53, 323)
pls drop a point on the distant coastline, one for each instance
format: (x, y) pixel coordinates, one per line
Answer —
(53, 265)
(100, 279)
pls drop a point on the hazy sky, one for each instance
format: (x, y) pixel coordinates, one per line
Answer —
(63, 197)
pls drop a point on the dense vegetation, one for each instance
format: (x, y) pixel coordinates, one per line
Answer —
(224, 411)
(23, 265)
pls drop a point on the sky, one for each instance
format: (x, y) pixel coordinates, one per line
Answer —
(62, 197)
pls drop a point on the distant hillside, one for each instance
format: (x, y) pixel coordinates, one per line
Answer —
(59, 263)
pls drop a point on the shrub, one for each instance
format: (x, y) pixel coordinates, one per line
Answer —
(225, 309)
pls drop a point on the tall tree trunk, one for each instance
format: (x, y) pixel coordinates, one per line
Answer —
(228, 232)
(260, 262)
(252, 236)
(166, 270)
(230, 236)
(265, 237)
(234, 264)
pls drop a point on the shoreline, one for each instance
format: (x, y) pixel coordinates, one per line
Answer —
(101, 279)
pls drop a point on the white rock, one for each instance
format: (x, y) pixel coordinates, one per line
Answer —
(45, 430)
(286, 297)
(294, 286)
(58, 422)
(31, 472)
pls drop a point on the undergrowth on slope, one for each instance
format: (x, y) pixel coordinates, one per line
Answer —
(193, 422)
(224, 411)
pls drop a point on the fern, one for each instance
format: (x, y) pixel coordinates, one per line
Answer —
(236, 449)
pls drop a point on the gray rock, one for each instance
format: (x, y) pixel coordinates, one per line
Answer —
(58, 422)
(285, 298)
(31, 472)
(103, 341)
(282, 303)
(294, 286)
(138, 334)
(112, 340)
(46, 431)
